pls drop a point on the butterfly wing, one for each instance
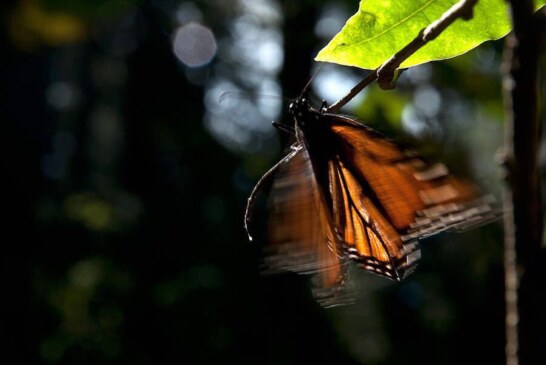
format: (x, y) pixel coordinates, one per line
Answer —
(368, 237)
(348, 192)
(302, 237)
(385, 198)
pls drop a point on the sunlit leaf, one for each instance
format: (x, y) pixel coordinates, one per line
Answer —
(380, 28)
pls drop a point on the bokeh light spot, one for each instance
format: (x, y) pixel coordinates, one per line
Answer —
(332, 84)
(62, 95)
(93, 212)
(86, 274)
(331, 21)
(428, 100)
(194, 45)
(188, 12)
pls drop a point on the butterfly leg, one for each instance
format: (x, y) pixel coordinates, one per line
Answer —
(323, 107)
(259, 186)
(285, 128)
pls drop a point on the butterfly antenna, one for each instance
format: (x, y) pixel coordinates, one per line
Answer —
(304, 91)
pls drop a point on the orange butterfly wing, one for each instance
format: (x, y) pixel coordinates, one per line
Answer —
(347, 192)
(385, 198)
(368, 237)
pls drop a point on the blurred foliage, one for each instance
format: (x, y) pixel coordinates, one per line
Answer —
(125, 180)
(31, 25)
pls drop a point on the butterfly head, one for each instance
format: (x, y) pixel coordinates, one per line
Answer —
(299, 107)
(302, 112)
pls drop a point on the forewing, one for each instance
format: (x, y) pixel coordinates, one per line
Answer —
(417, 198)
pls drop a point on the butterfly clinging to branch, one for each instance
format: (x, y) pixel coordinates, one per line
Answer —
(347, 193)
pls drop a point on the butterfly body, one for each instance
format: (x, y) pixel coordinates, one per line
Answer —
(346, 193)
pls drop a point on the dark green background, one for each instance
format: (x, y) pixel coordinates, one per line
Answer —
(135, 252)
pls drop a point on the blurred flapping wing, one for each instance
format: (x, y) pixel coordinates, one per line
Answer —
(302, 236)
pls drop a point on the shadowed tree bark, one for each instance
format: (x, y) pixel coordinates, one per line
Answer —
(524, 257)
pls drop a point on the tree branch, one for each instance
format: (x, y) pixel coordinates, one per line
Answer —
(387, 72)
(523, 259)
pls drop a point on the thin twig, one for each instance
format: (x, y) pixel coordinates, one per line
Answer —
(386, 73)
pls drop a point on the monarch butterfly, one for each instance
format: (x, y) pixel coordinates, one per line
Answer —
(347, 193)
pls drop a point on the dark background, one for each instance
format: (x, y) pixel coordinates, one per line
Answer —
(124, 179)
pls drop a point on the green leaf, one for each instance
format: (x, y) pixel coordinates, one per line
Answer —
(381, 28)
